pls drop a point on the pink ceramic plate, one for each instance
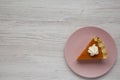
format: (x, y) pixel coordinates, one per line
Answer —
(78, 41)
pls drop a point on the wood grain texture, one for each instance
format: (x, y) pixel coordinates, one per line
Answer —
(33, 34)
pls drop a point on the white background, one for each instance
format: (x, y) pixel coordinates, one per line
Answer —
(33, 34)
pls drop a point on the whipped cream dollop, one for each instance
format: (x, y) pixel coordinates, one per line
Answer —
(93, 50)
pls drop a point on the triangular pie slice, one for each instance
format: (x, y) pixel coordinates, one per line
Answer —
(95, 49)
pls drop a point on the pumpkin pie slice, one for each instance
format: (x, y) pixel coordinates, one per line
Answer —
(95, 49)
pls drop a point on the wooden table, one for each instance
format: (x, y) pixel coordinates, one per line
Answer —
(33, 34)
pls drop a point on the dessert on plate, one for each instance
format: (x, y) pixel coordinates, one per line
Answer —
(95, 50)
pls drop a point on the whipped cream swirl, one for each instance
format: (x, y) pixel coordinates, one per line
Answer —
(93, 50)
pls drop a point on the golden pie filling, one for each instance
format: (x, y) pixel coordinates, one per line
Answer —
(94, 50)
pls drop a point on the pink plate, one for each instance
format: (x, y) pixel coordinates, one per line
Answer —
(77, 42)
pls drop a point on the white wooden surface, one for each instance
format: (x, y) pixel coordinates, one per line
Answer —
(33, 34)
